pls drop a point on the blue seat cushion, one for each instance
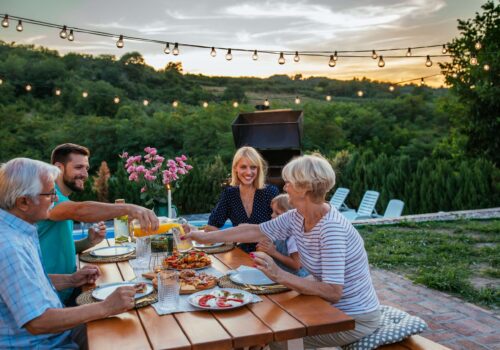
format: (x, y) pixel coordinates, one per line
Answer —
(395, 325)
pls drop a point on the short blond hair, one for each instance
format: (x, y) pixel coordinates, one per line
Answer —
(282, 202)
(256, 159)
(312, 173)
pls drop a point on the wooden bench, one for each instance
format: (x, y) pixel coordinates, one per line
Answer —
(415, 342)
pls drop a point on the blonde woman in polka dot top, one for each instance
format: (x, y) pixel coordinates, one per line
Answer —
(248, 199)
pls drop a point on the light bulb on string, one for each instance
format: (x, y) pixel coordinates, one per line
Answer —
(85, 94)
(63, 34)
(5, 21)
(175, 51)
(374, 55)
(391, 88)
(381, 62)
(454, 75)
(71, 36)
(472, 87)
(408, 53)
(335, 57)
(297, 100)
(328, 98)
(116, 100)
(205, 104)
(19, 26)
(120, 43)
(422, 82)
(213, 53)
(296, 58)
(478, 46)
(486, 67)
(229, 55)
(166, 50)
(444, 50)
(360, 93)
(145, 103)
(428, 62)
(235, 104)
(473, 60)
(28, 87)
(281, 60)
(175, 104)
(266, 102)
(331, 62)
(58, 92)
(255, 57)
(1, 81)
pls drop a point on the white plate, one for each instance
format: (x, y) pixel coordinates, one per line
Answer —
(116, 250)
(102, 292)
(209, 245)
(193, 298)
(251, 276)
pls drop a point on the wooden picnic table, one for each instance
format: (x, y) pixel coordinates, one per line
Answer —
(287, 316)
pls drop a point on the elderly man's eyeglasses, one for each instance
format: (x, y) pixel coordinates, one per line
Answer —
(52, 194)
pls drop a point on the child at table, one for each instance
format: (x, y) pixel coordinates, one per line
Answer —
(284, 252)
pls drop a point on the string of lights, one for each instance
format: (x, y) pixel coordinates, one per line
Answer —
(68, 32)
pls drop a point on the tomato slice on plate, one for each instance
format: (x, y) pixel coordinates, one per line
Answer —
(203, 300)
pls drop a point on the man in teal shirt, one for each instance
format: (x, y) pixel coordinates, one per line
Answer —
(56, 234)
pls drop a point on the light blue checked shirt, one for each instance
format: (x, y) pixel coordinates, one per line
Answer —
(25, 291)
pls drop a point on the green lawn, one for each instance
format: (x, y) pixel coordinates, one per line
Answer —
(459, 257)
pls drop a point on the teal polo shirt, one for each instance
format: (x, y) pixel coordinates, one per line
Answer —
(58, 246)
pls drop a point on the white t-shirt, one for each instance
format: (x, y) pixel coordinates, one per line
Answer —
(333, 252)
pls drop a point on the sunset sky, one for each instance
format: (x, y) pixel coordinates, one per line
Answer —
(263, 25)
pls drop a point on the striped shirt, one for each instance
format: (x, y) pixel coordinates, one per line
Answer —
(333, 252)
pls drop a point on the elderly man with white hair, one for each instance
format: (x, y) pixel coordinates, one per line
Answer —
(31, 313)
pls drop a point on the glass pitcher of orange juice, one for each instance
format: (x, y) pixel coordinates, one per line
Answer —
(167, 225)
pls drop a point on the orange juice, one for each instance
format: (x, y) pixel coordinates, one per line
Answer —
(163, 228)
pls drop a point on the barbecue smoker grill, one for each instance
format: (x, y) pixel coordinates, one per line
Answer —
(276, 134)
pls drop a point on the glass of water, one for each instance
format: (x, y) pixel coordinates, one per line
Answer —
(168, 290)
(143, 250)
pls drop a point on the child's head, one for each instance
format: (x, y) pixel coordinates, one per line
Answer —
(280, 204)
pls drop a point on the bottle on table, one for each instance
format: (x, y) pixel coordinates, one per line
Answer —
(121, 226)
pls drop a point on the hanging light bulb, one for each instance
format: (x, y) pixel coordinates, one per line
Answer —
(119, 43)
(328, 98)
(472, 87)
(85, 94)
(297, 100)
(1, 81)
(296, 58)
(428, 61)
(235, 104)
(444, 50)
(145, 102)
(391, 88)
(229, 55)
(408, 53)
(175, 104)
(335, 57)
(5, 21)
(205, 104)
(473, 60)
(422, 82)
(63, 34)
(167, 48)
(58, 92)
(266, 102)
(281, 60)
(255, 57)
(331, 62)
(213, 53)
(478, 46)
(19, 26)
(486, 67)
(360, 93)
(71, 36)
(381, 62)
(374, 55)
(116, 100)
(28, 87)
(454, 75)
(175, 51)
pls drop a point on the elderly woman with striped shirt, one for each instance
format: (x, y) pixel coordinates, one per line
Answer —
(330, 248)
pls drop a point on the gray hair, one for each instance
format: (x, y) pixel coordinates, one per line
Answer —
(23, 177)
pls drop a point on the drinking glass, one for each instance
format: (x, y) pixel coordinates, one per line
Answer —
(143, 250)
(183, 245)
(168, 290)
